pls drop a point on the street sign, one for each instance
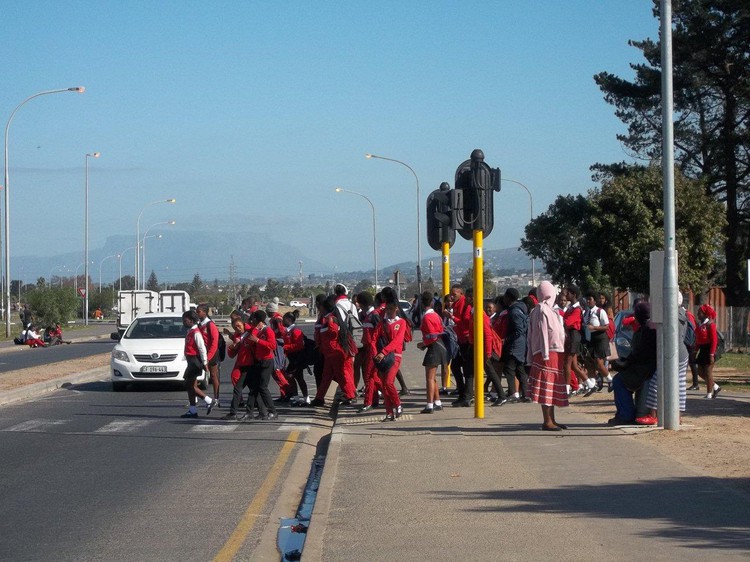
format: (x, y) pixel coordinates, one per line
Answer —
(82, 292)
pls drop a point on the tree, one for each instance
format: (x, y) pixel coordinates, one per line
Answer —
(127, 282)
(558, 238)
(711, 60)
(467, 282)
(364, 285)
(196, 284)
(153, 283)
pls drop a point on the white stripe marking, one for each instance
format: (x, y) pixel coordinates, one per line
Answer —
(214, 427)
(35, 425)
(290, 427)
(122, 426)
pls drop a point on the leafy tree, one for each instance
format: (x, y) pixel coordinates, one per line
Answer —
(103, 301)
(711, 60)
(153, 283)
(275, 288)
(196, 285)
(467, 282)
(558, 237)
(128, 283)
(53, 305)
(364, 285)
(297, 289)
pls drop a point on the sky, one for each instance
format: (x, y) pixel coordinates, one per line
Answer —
(251, 113)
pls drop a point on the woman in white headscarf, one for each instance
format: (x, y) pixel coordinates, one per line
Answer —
(544, 350)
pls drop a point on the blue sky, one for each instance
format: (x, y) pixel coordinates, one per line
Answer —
(250, 113)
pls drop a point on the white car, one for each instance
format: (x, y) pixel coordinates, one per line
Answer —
(152, 349)
(297, 304)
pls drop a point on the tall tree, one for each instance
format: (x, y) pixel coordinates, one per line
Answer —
(153, 283)
(711, 60)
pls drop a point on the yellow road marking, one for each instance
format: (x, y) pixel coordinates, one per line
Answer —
(246, 524)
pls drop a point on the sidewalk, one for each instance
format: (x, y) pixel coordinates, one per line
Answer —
(447, 486)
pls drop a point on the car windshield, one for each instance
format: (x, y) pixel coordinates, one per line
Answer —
(156, 328)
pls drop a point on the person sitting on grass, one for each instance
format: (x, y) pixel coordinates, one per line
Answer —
(33, 339)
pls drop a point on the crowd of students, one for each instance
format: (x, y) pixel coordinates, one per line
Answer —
(545, 348)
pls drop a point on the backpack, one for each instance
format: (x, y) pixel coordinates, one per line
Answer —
(721, 346)
(450, 341)
(309, 353)
(689, 339)
(353, 325)
(222, 348)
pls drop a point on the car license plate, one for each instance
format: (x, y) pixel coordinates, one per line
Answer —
(154, 369)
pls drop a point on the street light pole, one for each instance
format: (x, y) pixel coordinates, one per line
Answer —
(143, 245)
(374, 232)
(79, 89)
(419, 232)
(122, 254)
(138, 234)
(531, 217)
(86, 243)
(100, 268)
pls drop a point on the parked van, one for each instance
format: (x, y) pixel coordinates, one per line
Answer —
(174, 301)
(134, 303)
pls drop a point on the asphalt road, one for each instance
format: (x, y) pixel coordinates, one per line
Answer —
(38, 357)
(89, 474)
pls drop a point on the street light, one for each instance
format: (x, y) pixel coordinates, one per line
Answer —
(419, 244)
(138, 234)
(53, 269)
(80, 90)
(531, 213)
(374, 233)
(100, 268)
(122, 254)
(143, 247)
(86, 242)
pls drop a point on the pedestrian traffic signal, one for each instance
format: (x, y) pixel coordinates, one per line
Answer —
(476, 181)
(441, 222)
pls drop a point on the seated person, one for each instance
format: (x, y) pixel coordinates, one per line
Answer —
(55, 335)
(33, 339)
(635, 370)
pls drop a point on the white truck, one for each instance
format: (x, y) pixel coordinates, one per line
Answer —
(174, 301)
(134, 303)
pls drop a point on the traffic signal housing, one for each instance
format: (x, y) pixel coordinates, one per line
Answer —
(441, 217)
(476, 182)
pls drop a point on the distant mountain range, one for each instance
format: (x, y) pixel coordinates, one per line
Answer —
(179, 254)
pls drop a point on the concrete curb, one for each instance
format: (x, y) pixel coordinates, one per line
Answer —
(41, 388)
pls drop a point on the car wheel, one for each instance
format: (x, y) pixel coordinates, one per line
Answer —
(119, 386)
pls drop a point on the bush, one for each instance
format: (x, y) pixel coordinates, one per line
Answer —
(49, 306)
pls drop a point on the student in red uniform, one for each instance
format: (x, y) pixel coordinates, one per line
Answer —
(197, 360)
(370, 321)
(263, 342)
(338, 355)
(692, 351)
(573, 321)
(462, 366)
(319, 359)
(211, 336)
(287, 387)
(491, 346)
(436, 355)
(388, 347)
(389, 294)
(707, 341)
(240, 350)
(294, 348)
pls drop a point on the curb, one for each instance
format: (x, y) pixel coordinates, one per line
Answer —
(41, 388)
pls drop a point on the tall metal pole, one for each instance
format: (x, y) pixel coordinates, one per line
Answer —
(138, 236)
(531, 217)
(478, 325)
(419, 243)
(6, 279)
(86, 243)
(671, 414)
(446, 250)
(374, 230)
(100, 268)
(143, 247)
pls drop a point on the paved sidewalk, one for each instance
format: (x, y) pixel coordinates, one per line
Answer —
(449, 487)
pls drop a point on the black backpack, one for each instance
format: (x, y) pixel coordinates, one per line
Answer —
(721, 346)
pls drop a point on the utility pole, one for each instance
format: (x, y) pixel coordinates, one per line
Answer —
(233, 280)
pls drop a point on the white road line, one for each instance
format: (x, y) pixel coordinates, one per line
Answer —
(214, 427)
(35, 425)
(124, 426)
(290, 427)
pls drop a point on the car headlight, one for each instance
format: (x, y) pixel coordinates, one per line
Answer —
(120, 355)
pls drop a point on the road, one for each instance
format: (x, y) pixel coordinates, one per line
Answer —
(89, 474)
(26, 357)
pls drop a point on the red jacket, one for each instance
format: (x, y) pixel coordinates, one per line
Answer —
(462, 319)
(491, 344)
(210, 336)
(294, 340)
(266, 344)
(393, 332)
(370, 321)
(573, 318)
(431, 327)
(243, 352)
(329, 336)
(705, 334)
(193, 346)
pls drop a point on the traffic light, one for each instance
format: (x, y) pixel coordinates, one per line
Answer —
(441, 217)
(476, 181)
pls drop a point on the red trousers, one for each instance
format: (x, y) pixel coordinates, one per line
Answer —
(389, 389)
(32, 342)
(284, 387)
(372, 379)
(339, 368)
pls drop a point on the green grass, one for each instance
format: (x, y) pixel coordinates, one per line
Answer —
(739, 361)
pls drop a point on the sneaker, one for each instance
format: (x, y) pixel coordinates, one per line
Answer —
(189, 415)
(513, 400)
(443, 391)
(216, 403)
(499, 402)
(694, 387)
(388, 417)
(364, 409)
(210, 406)
(619, 421)
(646, 420)
(405, 392)
(348, 402)
(460, 404)
(427, 410)
(317, 402)
(599, 384)
(231, 416)
(438, 408)
(399, 411)
(589, 391)
(716, 392)
(270, 416)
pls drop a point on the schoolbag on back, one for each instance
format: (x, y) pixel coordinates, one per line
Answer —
(721, 346)
(222, 348)
(353, 324)
(309, 353)
(689, 339)
(450, 341)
